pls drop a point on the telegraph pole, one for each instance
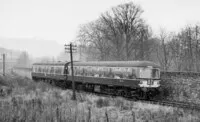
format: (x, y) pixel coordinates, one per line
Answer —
(4, 63)
(69, 49)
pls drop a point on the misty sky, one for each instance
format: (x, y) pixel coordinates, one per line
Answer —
(58, 20)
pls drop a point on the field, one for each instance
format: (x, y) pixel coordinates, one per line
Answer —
(182, 86)
(24, 100)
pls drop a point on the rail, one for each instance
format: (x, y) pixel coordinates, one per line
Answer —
(23, 68)
(178, 104)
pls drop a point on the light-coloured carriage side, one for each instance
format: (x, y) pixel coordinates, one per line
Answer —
(106, 72)
(120, 77)
(147, 72)
(48, 69)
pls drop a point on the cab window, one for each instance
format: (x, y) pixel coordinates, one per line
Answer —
(155, 73)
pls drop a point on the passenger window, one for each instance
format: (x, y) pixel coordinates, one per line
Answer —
(79, 70)
(43, 69)
(133, 74)
(57, 70)
(69, 70)
(111, 72)
(48, 69)
(82, 71)
(76, 70)
(89, 71)
(34, 69)
(52, 70)
(101, 72)
(95, 72)
(145, 73)
(85, 70)
(39, 70)
(125, 73)
(106, 72)
(61, 70)
(117, 72)
(128, 73)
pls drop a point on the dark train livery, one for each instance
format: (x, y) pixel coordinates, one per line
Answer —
(126, 78)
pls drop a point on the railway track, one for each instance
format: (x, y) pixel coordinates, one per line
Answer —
(178, 104)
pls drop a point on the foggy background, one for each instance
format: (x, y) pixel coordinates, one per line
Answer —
(36, 31)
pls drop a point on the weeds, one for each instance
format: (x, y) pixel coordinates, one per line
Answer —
(102, 102)
(29, 101)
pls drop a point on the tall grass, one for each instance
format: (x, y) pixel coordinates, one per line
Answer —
(40, 102)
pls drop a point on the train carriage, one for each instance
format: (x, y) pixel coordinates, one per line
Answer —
(49, 71)
(108, 76)
(124, 73)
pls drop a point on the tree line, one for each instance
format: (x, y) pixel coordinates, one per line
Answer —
(122, 34)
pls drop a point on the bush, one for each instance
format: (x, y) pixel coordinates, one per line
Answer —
(181, 86)
(102, 103)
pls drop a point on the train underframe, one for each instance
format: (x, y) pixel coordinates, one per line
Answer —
(138, 93)
(135, 93)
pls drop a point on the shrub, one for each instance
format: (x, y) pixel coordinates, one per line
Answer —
(102, 103)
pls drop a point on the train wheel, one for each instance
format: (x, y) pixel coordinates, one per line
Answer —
(128, 94)
(142, 95)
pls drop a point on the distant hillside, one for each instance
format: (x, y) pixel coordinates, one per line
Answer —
(10, 54)
(34, 46)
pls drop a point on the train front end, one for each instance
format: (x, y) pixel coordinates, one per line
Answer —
(150, 77)
(149, 80)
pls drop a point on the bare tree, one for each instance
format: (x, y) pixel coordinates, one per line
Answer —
(91, 35)
(23, 60)
(124, 23)
(180, 51)
(164, 53)
(197, 49)
(188, 39)
(119, 34)
(176, 54)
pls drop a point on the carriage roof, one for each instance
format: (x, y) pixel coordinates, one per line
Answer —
(106, 63)
(118, 64)
(52, 63)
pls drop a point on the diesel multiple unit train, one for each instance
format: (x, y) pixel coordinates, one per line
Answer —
(125, 78)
